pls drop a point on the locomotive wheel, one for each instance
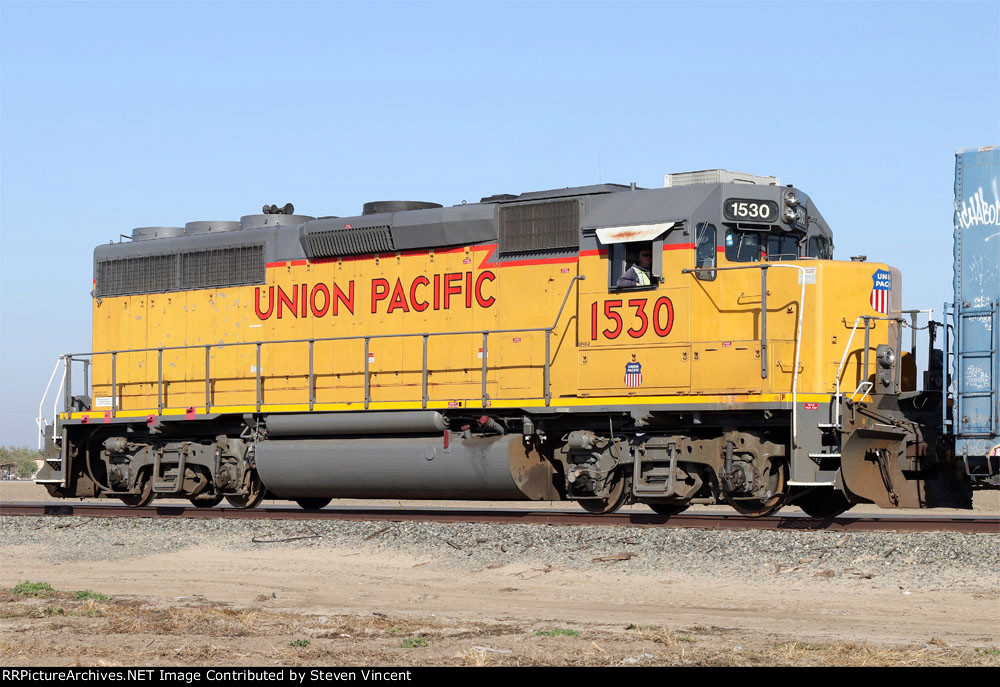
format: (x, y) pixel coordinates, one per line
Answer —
(56, 491)
(823, 503)
(616, 499)
(667, 508)
(143, 498)
(210, 502)
(312, 504)
(255, 494)
(776, 477)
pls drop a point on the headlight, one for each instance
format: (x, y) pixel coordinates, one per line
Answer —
(791, 200)
(790, 215)
(885, 356)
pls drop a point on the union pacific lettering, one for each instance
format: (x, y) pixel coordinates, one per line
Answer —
(439, 292)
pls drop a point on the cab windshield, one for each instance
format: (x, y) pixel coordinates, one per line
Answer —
(782, 247)
(754, 246)
(742, 246)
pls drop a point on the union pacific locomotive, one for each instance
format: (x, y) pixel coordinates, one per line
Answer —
(488, 351)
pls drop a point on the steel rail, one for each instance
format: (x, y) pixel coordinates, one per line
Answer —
(893, 523)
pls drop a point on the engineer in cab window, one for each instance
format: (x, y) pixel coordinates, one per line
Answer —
(640, 273)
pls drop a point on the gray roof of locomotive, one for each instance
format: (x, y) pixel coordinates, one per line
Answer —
(284, 237)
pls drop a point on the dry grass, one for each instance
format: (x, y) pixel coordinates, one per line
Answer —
(659, 635)
(864, 655)
(847, 654)
(350, 626)
(477, 657)
(10, 648)
(209, 633)
(210, 621)
(398, 627)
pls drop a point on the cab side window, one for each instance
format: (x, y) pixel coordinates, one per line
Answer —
(632, 266)
(820, 248)
(618, 263)
(742, 246)
(705, 251)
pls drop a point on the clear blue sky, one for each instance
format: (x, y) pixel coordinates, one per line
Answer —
(117, 115)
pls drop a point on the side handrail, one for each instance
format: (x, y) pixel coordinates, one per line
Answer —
(867, 386)
(868, 319)
(362, 337)
(763, 324)
(40, 420)
(946, 372)
(358, 337)
(840, 369)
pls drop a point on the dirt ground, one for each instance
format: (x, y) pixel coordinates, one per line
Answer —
(205, 606)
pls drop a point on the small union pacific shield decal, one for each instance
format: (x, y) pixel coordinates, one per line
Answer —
(633, 374)
(881, 291)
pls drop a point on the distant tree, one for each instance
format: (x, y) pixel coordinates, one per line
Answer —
(26, 467)
(23, 459)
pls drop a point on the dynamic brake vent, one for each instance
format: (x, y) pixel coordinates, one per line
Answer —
(539, 226)
(360, 241)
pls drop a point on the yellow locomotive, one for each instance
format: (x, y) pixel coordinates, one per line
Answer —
(605, 344)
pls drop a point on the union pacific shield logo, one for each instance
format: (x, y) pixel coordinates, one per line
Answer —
(633, 374)
(881, 290)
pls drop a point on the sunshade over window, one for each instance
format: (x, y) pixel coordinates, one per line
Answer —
(641, 232)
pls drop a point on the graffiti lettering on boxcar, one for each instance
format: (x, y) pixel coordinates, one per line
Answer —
(661, 317)
(977, 210)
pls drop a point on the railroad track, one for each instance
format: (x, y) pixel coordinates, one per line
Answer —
(971, 524)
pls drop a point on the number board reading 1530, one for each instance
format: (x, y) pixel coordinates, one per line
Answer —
(750, 210)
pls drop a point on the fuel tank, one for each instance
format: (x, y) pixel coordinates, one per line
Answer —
(501, 468)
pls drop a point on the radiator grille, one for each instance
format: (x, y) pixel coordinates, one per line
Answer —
(219, 267)
(136, 275)
(361, 241)
(539, 226)
(222, 267)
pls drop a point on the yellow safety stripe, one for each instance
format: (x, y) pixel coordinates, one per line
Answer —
(459, 404)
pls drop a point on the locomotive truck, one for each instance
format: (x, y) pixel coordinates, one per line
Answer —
(486, 351)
